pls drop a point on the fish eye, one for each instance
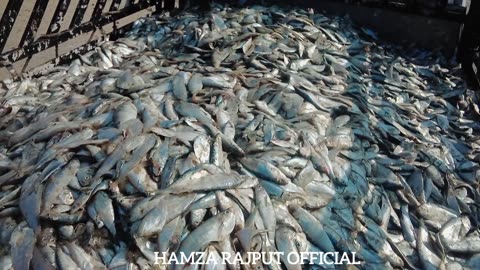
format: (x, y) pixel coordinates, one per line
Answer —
(297, 243)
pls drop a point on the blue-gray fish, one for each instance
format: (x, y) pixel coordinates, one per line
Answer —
(22, 243)
(214, 229)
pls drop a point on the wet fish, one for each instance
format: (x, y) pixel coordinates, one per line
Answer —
(267, 128)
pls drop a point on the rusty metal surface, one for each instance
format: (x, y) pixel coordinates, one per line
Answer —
(37, 32)
(399, 27)
(451, 9)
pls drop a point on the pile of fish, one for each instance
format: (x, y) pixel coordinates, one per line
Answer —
(262, 129)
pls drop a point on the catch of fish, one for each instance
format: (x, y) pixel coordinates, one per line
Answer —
(260, 129)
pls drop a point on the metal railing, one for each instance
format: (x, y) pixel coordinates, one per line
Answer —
(38, 33)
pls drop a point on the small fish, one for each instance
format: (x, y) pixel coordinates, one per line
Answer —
(22, 243)
(256, 129)
(214, 229)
